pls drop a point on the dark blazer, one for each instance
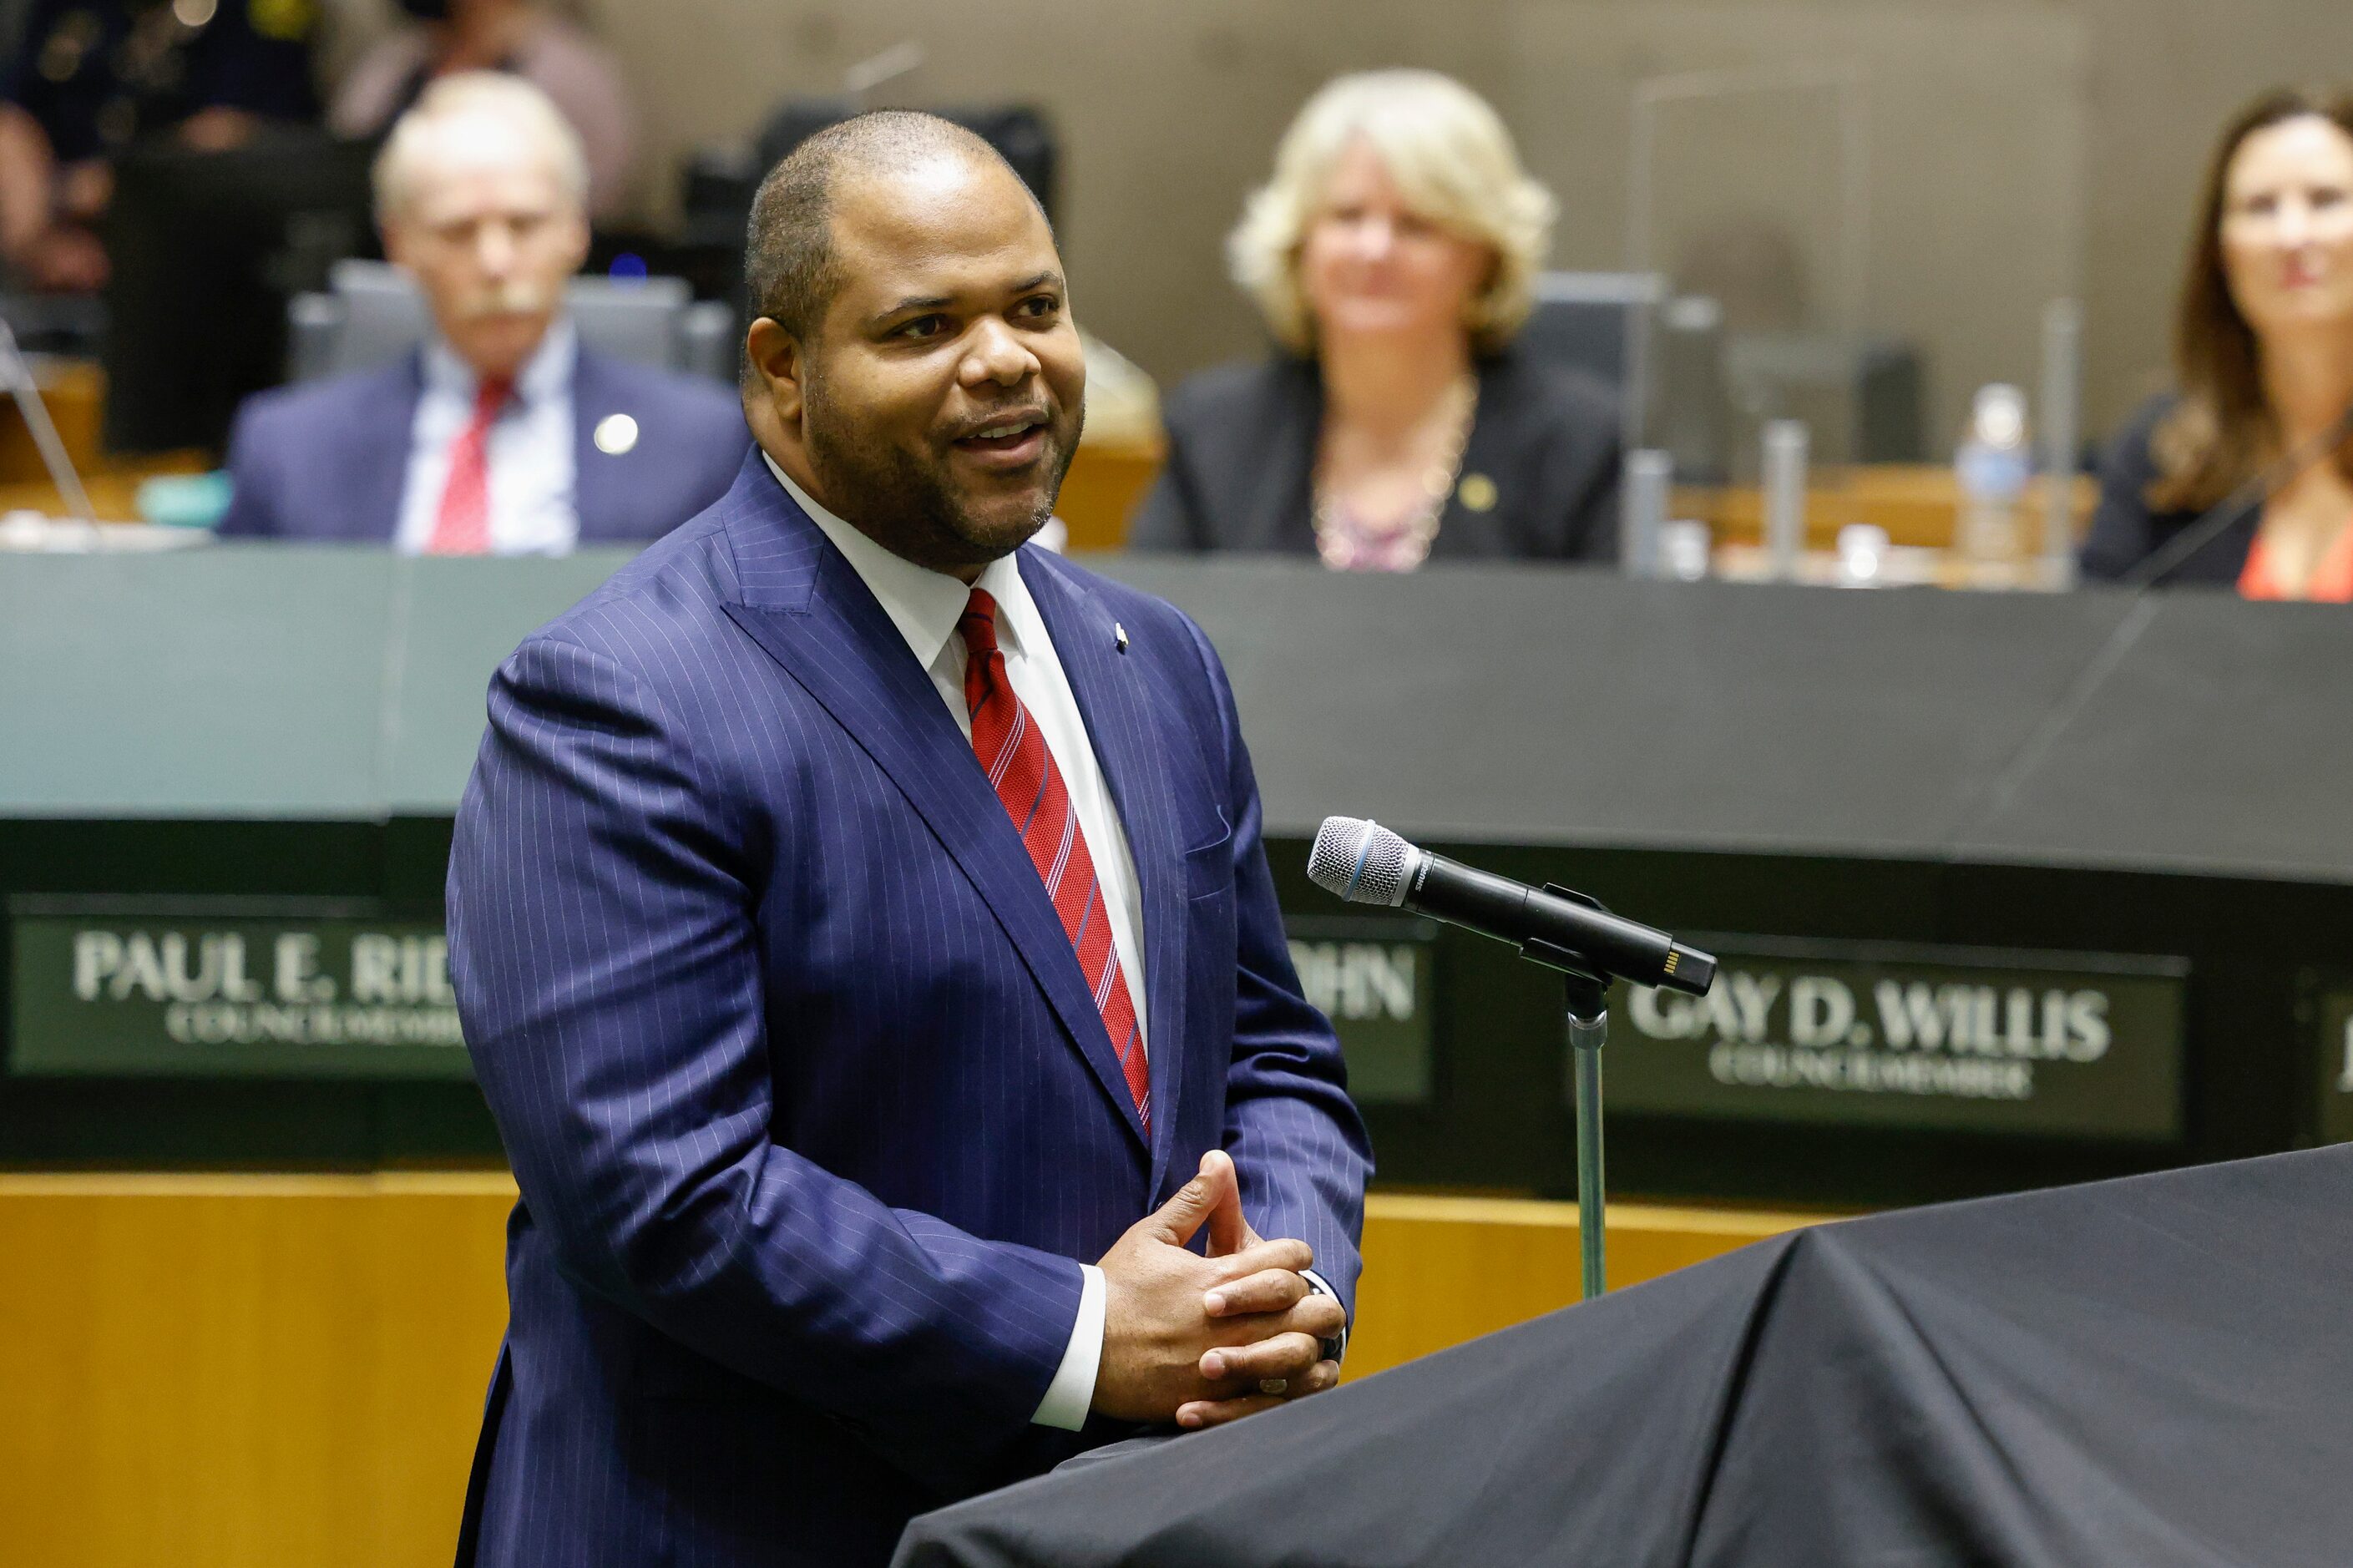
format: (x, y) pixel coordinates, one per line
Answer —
(809, 1100)
(328, 459)
(2125, 530)
(1241, 460)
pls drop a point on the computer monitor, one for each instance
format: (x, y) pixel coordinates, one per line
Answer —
(1862, 397)
(1657, 353)
(1591, 322)
(207, 248)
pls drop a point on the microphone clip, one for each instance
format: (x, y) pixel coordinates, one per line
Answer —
(1586, 982)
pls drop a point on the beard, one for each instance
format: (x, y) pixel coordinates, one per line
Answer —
(907, 501)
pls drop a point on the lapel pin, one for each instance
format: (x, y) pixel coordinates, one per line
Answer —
(616, 434)
(1119, 635)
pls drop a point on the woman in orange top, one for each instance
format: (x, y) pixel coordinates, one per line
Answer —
(2264, 346)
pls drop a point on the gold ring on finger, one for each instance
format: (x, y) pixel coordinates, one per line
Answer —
(1274, 1385)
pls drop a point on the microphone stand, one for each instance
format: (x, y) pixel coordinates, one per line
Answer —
(1588, 1030)
(1584, 997)
(18, 377)
(1343, 862)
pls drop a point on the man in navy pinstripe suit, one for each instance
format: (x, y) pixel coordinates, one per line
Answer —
(864, 939)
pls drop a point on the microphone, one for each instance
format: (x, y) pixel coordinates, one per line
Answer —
(1365, 863)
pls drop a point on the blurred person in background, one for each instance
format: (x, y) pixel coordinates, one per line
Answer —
(1393, 255)
(2264, 349)
(445, 38)
(503, 434)
(93, 77)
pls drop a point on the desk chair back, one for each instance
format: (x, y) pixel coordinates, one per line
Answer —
(372, 313)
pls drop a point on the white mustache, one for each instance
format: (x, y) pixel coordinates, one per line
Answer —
(515, 297)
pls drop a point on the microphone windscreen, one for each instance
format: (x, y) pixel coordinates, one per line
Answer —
(1360, 860)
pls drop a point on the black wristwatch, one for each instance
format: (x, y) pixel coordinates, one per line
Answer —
(1337, 1345)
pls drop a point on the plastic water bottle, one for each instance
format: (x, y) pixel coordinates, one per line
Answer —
(1992, 468)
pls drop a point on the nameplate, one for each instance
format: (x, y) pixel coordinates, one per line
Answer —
(1944, 1038)
(1374, 976)
(228, 988)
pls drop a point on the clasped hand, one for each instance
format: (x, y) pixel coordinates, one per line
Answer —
(1202, 1340)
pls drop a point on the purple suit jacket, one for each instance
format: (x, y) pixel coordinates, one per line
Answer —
(809, 1104)
(327, 460)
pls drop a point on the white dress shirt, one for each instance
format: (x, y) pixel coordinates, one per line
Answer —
(531, 450)
(925, 606)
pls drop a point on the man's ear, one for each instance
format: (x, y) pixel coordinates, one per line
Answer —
(778, 363)
(581, 239)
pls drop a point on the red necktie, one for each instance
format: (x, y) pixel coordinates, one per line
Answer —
(462, 525)
(1013, 751)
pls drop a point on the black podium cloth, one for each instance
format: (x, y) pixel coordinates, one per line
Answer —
(2151, 1372)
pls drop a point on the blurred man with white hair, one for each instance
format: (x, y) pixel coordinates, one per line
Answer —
(503, 434)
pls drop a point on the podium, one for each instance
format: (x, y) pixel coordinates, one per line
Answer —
(2139, 1373)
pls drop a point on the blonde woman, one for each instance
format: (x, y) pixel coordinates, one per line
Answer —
(1392, 256)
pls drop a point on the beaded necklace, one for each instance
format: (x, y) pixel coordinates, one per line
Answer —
(1348, 542)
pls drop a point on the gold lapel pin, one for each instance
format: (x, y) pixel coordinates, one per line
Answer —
(1119, 635)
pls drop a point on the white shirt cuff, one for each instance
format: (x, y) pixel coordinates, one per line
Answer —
(1072, 1393)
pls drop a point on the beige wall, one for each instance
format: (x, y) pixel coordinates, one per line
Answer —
(2019, 146)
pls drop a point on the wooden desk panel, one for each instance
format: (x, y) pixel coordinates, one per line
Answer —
(1917, 503)
(1440, 1270)
(1101, 489)
(226, 1371)
(114, 486)
(232, 1372)
(75, 394)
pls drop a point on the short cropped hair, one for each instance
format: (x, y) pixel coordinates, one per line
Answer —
(492, 95)
(790, 274)
(1452, 161)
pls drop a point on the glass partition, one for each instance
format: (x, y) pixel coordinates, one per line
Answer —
(1857, 220)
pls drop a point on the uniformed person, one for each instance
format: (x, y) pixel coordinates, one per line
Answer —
(93, 77)
(521, 38)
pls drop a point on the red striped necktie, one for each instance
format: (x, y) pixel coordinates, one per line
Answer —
(1006, 738)
(461, 525)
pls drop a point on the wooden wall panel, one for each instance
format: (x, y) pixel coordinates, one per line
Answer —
(270, 1371)
(224, 1371)
(1440, 1270)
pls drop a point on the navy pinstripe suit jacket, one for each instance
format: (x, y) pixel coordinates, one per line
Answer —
(811, 1107)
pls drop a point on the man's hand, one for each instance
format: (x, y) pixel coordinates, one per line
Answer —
(1270, 1366)
(1268, 1291)
(1167, 1353)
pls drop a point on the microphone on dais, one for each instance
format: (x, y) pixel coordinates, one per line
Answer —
(1365, 863)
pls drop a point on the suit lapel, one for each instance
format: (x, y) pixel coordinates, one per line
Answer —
(808, 609)
(1111, 698)
(373, 473)
(602, 496)
(1486, 450)
(1278, 497)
